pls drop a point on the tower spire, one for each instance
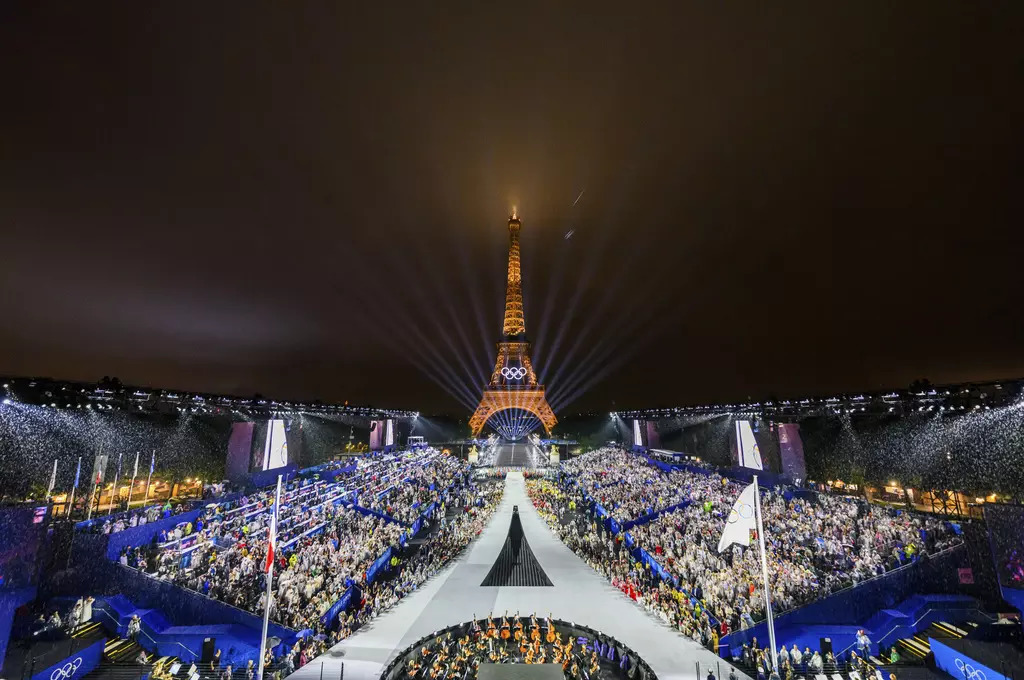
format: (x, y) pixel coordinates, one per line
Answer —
(514, 322)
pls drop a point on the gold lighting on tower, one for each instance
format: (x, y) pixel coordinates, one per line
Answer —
(513, 383)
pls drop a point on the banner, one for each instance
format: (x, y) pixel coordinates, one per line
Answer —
(653, 438)
(959, 664)
(376, 435)
(99, 469)
(75, 666)
(236, 467)
(791, 451)
(746, 446)
(638, 439)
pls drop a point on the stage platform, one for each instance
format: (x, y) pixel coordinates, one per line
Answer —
(577, 594)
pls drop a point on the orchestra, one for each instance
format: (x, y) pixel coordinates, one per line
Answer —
(459, 658)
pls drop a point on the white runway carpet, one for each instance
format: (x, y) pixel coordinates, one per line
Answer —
(455, 595)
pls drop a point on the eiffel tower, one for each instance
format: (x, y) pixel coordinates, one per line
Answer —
(513, 384)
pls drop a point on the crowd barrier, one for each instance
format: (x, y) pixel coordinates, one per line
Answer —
(650, 517)
(269, 477)
(144, 534)
(338, 607)
(373, 513)
(328, 475)
(378, 564)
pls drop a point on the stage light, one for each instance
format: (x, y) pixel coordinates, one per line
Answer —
(7, 402)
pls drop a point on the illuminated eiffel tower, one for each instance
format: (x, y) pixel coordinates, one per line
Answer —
(513, 385)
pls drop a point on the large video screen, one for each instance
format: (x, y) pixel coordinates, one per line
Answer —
(270, 445)
(791, 451)
(746, 446)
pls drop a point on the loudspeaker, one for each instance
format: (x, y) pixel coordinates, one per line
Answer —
(826, 645)
(209, 649)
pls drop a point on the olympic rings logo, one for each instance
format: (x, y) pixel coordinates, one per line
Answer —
(514, 372)
(746, 511)
(969, 671)
(69, 669)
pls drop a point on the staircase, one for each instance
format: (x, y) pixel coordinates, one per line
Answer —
(121, 650)
(917, 646)
(87, 630)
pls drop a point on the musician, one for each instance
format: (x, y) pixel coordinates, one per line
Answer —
(534, 628)
(518, 635)
(506, 632)
(549, 629)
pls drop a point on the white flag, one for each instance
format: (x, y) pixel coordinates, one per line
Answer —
(750, 454)
(741, 520)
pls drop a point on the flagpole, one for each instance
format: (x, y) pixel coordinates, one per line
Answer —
(131, 487)
(764, 574)
(71, 503)
(271, 539)
(113, 496)
(95, 482)
(53, 481)
(152, 462)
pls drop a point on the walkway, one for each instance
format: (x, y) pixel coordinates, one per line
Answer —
(454, 595)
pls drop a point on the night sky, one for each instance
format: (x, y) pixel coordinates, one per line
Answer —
(308, 202)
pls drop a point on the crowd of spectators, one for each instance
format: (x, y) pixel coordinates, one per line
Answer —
(570, 517)
(815, 546)
(403, 491)
(626, 489)
(126, 520)
(816, 543)
(325, 545)
(469, 512)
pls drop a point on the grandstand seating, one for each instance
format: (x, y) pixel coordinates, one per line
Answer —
(392, 492)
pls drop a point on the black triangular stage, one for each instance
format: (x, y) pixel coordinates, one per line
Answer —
(516, 565)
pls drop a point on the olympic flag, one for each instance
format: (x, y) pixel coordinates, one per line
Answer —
(741, 520)
(744, 517)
